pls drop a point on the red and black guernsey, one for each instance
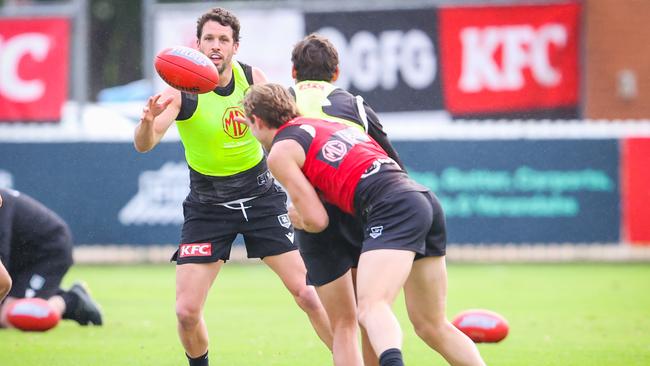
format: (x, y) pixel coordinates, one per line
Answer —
(336, 156)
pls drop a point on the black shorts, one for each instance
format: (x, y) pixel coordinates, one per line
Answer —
(409, 220)
(210, 229)
(36, 271)
(331, 253)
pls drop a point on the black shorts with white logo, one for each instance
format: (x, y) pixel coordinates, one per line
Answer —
(331, 253)
(210, 229)
(407, 220)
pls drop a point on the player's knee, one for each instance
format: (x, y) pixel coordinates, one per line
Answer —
(344, 320)
(368, 310)
(344, 324)
(431, 330)
(307, 298)
(5, 285)
(188, 315)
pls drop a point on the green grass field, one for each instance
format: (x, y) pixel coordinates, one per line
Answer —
(568, 314)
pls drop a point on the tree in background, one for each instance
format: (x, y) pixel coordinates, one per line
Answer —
(115, 43)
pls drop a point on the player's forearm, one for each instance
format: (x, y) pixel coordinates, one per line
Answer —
(315, 226)
(313, 217)
(144, 138)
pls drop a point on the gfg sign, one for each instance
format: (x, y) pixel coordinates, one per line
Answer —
(390, 58)
(372, 61)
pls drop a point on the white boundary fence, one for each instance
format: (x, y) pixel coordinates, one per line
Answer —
(555, 253)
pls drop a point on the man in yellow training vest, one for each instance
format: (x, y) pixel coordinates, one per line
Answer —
(231, 189)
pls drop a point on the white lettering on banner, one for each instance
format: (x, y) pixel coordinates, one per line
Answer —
(12, 50)
(522, 47)
(160, 196)
(370, 61)
(419, 55)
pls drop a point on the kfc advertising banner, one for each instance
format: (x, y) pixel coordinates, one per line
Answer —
(388, 57)
(508, 59)
(34, 62)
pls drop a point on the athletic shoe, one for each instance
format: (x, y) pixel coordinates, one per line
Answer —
(86, 311)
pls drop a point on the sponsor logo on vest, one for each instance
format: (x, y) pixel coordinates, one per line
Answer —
(232, 127)
(375, 231)
(195, 250)
(284, 220)
(160, 196)
(334, 150)
(308, 85)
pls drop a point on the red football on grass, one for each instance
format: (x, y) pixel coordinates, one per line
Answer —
(187, 69)
(32, 314)
(482, 325)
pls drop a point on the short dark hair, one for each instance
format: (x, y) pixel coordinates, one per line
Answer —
(315, 58)
(221, 16)
(270, 102)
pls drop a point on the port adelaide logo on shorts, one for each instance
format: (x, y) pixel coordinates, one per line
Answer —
(376, 231)
(284, 220)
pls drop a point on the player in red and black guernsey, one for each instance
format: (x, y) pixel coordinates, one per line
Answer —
(331, 256)
(231, 189)
(36, 248)
(403, 222)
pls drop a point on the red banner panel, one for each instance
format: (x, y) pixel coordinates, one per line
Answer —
(34, 61)
(509, 58)
(636, 190)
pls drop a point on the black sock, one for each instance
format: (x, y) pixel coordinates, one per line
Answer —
(199, 361)
(71, 302)
(391, 357)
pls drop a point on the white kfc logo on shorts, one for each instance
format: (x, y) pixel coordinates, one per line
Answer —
(196, 250)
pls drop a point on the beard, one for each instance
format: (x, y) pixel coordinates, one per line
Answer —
(221, 68)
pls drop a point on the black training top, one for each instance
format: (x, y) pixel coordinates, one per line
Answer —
(26, 224)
